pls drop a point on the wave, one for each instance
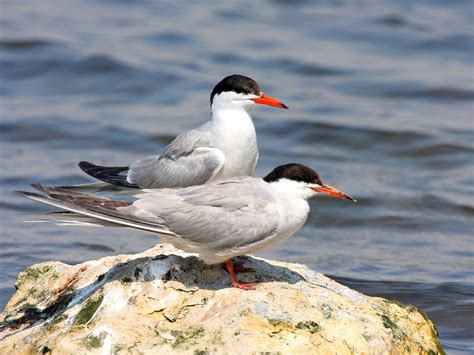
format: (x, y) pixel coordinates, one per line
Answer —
(26, 44)
(438, 93)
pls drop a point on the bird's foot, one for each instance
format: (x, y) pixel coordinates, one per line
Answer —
(243, 286)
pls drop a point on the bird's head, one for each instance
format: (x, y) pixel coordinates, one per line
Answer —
(297, 179)
(240, 92)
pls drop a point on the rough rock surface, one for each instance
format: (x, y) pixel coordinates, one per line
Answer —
(165, 300)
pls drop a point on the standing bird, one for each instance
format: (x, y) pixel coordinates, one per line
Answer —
(218, 220)
(223, 147)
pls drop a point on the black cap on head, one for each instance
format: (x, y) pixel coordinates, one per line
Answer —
(295, 172)
(238, 83)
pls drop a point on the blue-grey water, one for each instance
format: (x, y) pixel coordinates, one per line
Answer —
(381, 103)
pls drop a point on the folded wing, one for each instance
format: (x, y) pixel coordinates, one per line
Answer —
(222, 214)
(189, 160)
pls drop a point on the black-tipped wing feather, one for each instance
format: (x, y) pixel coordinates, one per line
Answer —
(116, 175)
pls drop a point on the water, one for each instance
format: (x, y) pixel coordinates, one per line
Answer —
(381, 100)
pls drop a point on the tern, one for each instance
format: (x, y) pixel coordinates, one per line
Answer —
(219, 220)
(223, 147)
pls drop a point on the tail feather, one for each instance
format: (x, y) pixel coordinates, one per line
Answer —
(115, 175)
(104, 209)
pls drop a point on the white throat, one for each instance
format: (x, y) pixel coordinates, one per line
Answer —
(293, 189)
(231, 115)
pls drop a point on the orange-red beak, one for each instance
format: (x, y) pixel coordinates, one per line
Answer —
(329, 190)
(270, 101)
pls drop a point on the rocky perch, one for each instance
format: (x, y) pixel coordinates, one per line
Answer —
(165, 300)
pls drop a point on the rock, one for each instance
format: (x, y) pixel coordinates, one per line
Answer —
(165, 300)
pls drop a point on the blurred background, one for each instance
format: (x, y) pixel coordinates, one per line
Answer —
(381, 104)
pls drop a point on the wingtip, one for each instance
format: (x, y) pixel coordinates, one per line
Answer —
(26, 193)
(84, 164)
(21, 193)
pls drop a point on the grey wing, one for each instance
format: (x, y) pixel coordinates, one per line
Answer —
(231, 214)
(189, 160)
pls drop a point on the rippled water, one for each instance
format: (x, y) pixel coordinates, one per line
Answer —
(381, 100)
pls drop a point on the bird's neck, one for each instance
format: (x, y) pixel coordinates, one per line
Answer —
(234, 134)
(231, 115)
(233, 122)
(293, 204)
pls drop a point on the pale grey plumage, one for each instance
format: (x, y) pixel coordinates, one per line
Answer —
(190, 159)
(231, 214)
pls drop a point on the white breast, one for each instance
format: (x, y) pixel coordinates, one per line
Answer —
(234, 134)
(293, 213)
(293, 210)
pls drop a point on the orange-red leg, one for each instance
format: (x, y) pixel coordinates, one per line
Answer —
(230, 269)
(239, 268)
